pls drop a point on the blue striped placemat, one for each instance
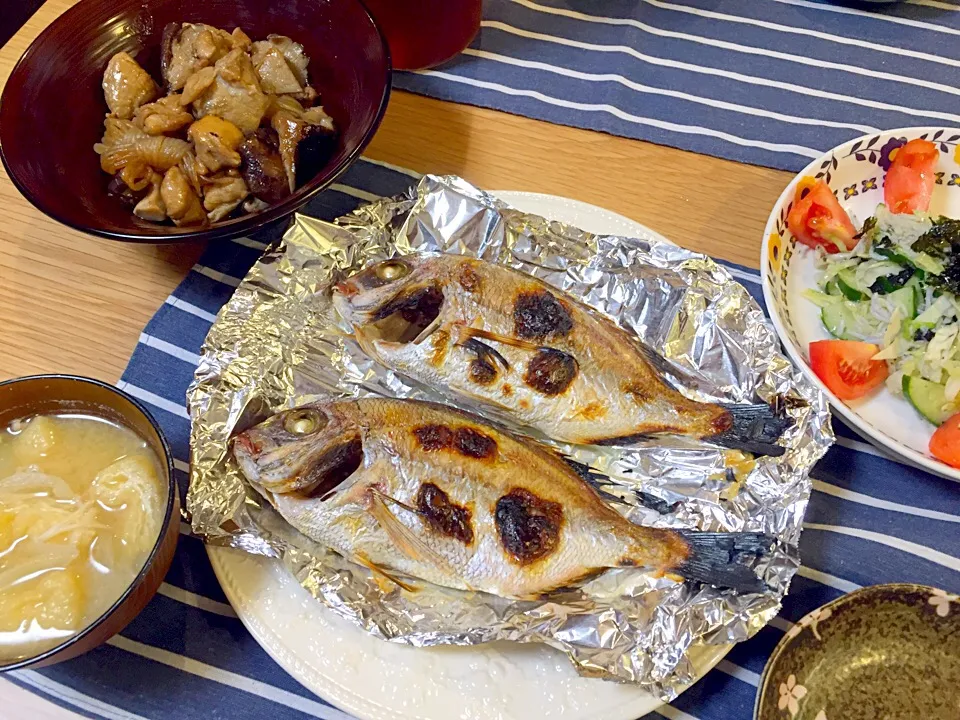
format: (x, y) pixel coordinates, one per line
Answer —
(187, 656)
(768, 82)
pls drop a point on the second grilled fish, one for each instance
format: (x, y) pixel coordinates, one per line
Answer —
(434, 493)
(510, 340)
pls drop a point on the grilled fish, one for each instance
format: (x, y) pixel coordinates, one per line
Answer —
(415, 488)
(510, 340)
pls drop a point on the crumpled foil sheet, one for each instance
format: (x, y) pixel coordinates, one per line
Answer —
(279, 343)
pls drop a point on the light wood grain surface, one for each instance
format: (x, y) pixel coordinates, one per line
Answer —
(72, 303)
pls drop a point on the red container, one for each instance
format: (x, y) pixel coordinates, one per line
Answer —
(424, 33)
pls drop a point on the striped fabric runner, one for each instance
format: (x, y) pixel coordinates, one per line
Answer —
(187, 656)
(768, 82)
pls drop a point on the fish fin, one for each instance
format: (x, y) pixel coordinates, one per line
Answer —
(755, 428)
(484, 352)
(402, 536)
(716, 558)
(596, 480)
(666, 368)
(380, 572)
(470, 332)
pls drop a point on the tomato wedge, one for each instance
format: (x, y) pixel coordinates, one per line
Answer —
(945, 443)
(846, 367)
(816, 218)
(909, 182)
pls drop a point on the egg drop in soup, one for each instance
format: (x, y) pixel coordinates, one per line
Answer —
(81, 507)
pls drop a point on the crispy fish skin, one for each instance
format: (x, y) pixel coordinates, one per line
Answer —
(434, 493)
(512, 341)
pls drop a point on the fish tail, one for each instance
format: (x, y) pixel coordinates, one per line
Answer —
(753, 428)
(716, 558)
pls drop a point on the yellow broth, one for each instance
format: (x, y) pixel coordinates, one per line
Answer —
(81, 505)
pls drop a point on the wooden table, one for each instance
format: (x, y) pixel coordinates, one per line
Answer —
(72, 303)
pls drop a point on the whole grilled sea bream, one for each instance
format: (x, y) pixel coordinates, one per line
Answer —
(430, 492)
(510, 340)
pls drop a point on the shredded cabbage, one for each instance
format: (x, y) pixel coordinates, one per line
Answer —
(918, 333)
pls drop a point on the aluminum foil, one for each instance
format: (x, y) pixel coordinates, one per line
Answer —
(279, 343)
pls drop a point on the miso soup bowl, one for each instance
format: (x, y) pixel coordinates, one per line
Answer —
(59, 394)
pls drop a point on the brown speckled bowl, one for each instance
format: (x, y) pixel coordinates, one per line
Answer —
(51, 394)
(886, 652)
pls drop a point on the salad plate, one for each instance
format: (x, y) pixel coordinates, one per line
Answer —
(882, 280)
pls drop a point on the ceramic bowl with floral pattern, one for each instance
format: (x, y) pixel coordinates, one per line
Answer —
(883, 652)
(855, 172)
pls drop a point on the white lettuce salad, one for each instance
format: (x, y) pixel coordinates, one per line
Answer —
(899, 288)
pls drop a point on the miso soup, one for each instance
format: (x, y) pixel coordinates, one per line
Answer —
(81, 506)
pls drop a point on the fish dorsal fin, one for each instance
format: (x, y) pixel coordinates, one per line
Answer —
(406, 540)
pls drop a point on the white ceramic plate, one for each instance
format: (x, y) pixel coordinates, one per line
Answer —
(377, 680)
(854, 171)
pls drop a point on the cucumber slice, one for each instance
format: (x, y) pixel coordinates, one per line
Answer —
(850, 321)
(847, 283)
(891, 254)
(906, 300)
(929, 398)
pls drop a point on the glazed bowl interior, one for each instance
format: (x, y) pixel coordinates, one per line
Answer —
(52, 108)
(27, 397)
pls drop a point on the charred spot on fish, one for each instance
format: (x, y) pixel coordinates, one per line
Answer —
(329, 470)
(468, 278)
(628, 562)
(507, 390)
(434, 437)
(482, 372)
(528, 526)
(475, 444)
(444, 516)
(551, 371)
(483, 368)
(538, 315)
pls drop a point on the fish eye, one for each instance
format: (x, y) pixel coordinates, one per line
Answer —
(392, 270)
(303, 422)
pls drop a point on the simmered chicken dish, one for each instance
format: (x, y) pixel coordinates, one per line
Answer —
(234, 128)
(81, 507)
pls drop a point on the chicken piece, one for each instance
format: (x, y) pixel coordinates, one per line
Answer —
(306, 97)
(262, 167)
(240, 39)
(235, 94)
(197, 84)
(222, 195)
(292, 52)
(182, 203)
(306, 138)
(275, 74)
(187, 48)
(216, 141)
(127, 86)
(152, 207)
(194, 170)
(163, 116)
